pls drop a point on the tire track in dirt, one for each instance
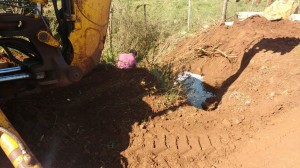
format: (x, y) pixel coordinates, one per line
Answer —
(171, 148)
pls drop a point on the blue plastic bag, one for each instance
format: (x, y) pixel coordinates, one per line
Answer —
(192, 85)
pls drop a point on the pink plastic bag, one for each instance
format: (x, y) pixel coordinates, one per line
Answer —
(126, 61)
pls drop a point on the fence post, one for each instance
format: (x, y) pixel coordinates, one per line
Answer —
(110, 29)
(145, 17)
(189, 14)
(224, 13)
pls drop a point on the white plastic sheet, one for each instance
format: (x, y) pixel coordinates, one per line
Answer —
(192, 85)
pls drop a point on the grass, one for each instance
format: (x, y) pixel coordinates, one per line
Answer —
(164, 19)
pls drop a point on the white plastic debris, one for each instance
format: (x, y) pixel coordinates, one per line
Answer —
(192, 84)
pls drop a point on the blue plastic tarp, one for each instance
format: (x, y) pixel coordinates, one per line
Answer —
(192, 85)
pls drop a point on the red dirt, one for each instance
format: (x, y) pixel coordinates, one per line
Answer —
(111, 119)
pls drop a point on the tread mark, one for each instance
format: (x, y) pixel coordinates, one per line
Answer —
(167, 163)
(209, 140)
(165, 140)
(177, 138)
(199, 143)
(188, 142)
(160, 143)
(205, 142)
(143, 141)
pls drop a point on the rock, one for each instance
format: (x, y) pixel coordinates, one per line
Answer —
(239, 119)
(280, 9)
(143, 126)
(226, 123)
(151, 125)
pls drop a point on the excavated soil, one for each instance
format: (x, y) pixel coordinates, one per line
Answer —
(112, 118)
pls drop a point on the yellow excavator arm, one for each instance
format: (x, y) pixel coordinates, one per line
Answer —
(88, 36)
(44, 59)
(60, 60)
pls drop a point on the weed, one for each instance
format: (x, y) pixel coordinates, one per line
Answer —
(112, 145)
(166, 78)
(108, 56)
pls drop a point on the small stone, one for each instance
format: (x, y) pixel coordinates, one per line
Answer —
(237, 136)
(151, 125)
(206, 26)
(135, 125)
(237, 121)
(170, 112)
(226, 123)
(143, 126)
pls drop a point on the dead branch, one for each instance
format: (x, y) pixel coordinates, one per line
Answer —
(212, 51)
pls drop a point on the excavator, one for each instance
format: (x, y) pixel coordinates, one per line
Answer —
(33, 56)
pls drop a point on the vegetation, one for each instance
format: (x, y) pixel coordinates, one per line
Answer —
(145, 24)
(153, 27)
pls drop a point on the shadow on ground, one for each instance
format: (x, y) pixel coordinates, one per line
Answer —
(277, 45)
(86, 124)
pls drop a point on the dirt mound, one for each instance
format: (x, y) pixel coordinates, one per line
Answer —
(234, 42)
(253, 65)
(112, 119)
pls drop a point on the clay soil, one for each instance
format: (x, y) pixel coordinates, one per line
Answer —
(112, 118)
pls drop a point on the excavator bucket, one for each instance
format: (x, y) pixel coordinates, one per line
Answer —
(88, 37)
